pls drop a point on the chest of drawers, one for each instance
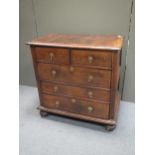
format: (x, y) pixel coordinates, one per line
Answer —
(78, 76)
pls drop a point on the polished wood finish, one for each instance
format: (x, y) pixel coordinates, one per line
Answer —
(78, 76)
(74, 105)
(114, 82)
(93, 58)
(76, 91)
(78, 116)
(100, 42)
(52, 55)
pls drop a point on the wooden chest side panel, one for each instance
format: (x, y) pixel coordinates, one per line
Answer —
(114, 83)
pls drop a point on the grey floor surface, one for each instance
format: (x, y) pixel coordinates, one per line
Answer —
(56, 135)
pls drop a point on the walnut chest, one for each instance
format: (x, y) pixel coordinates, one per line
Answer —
(78, 76)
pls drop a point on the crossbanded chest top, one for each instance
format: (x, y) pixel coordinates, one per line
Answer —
(78, 76)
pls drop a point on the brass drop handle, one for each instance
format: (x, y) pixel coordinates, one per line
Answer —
(90, 59)
(90, 109)
(51, 56)
(90, 78)
(55, 88)
(57, 103)
(90, 94)
(71, 69)
(54, 73)
(73, 100)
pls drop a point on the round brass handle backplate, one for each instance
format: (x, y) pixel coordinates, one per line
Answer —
(55, 88)
(73, 100)
(71, 69)
(90, 109)
(54, 73)
(90, 59)
(51, 56)
(90, 94)
(57, 103)
(90, 78)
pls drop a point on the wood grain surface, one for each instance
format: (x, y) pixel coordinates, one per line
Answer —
(79, 106)
(113, 42)
(78, 76)
(81, 76)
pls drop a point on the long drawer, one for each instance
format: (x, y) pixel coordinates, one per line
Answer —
(74, 75)
(74, 91)
(73, 105)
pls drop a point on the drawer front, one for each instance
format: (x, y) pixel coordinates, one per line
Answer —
(75, 75)
(72, 91)
(91, 58)
(52, 55)
(76, 106)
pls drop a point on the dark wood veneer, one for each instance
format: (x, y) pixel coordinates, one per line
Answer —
(78, 76)
(98, 58)
(99, 110)
(100, 78)
(76, 91)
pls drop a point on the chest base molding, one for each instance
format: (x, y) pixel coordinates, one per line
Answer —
(77, 116)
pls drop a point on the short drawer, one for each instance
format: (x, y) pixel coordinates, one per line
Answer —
(76, 106)
(52, 55)
(74, 75)
(73, 91)
(91, 58)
